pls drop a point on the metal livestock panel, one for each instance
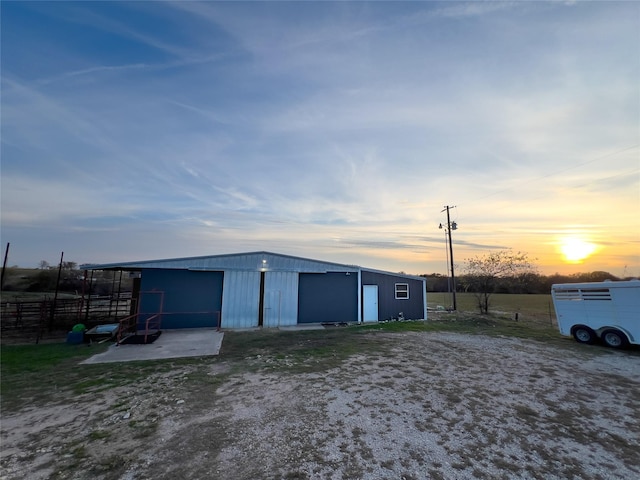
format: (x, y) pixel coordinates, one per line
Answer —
(240, 299)
(280, 299)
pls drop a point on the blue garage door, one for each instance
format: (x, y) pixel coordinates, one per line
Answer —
(327, 297)
(189, 299)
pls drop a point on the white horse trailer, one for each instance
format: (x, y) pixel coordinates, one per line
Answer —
(609, 311)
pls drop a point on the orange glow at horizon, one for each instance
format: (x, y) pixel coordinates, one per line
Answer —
(576, 249)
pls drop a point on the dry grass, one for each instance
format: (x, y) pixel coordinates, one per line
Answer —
(461, 397)
(537, 308)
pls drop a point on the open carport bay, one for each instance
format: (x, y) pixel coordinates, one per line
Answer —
(410, 405)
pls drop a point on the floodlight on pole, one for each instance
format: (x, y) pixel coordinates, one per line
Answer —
(448, 229)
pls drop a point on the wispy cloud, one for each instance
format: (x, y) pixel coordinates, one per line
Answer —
(320, 128)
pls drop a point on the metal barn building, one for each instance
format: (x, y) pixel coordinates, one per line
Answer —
(262, 289)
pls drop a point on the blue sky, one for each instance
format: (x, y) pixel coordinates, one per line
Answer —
(333, 130)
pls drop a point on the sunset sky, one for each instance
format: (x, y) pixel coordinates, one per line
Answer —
(336, 131)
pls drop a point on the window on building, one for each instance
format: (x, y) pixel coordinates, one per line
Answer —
(402, 291)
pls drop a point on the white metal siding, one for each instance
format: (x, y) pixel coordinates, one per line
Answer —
(240, 299)
(280, 299)
(598, 305)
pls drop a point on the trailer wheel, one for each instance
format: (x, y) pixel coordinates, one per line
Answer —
(614, 338)
(583, 334)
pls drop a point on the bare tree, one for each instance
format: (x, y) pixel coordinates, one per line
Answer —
(486, 271)
(43, 265)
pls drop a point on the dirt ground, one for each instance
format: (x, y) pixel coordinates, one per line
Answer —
(425, 405)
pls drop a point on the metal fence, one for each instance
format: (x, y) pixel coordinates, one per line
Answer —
(27, 317)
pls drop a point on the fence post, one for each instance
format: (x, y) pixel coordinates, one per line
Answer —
(86, 315)
(55, 296)
(119, 292)
(43, 317)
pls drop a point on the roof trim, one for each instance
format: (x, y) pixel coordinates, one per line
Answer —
(403, 275)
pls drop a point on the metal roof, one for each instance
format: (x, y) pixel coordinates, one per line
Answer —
(251, 261)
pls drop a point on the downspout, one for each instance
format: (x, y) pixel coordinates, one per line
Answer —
(424, 290)
(359, 296)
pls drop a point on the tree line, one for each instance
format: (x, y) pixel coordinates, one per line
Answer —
(531, 283)
(505, 271)
(70, 280)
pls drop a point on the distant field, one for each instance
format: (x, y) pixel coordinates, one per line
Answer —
(538, 307)
(32, 296)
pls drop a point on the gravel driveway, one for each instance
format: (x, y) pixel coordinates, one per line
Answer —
(426, 405)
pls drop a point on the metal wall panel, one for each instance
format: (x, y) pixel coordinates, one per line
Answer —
(413, 308)
(240, 299)
(187, 299)
(328, 297)
(280, 299)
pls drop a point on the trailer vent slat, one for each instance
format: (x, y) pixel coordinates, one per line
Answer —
(577, 295)
(568, 295)
(597, 294)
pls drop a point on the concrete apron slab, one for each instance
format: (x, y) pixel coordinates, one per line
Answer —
(195, 342)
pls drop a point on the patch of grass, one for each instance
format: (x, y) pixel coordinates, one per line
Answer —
(388, 464)
(38, 374)
(506, 465)
(525, 411)
(31, 370)
(477, 473)
(25, 296)
(114, 465)
(436, 474)
(99, 435)
(465, 322)
(296, 475)
(537, 306)
(30, 358)
(408, 476)
(143, 428)
(79, 452)
(297, 351)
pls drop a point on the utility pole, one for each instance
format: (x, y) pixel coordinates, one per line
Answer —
(451, 226)
(4, 266)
